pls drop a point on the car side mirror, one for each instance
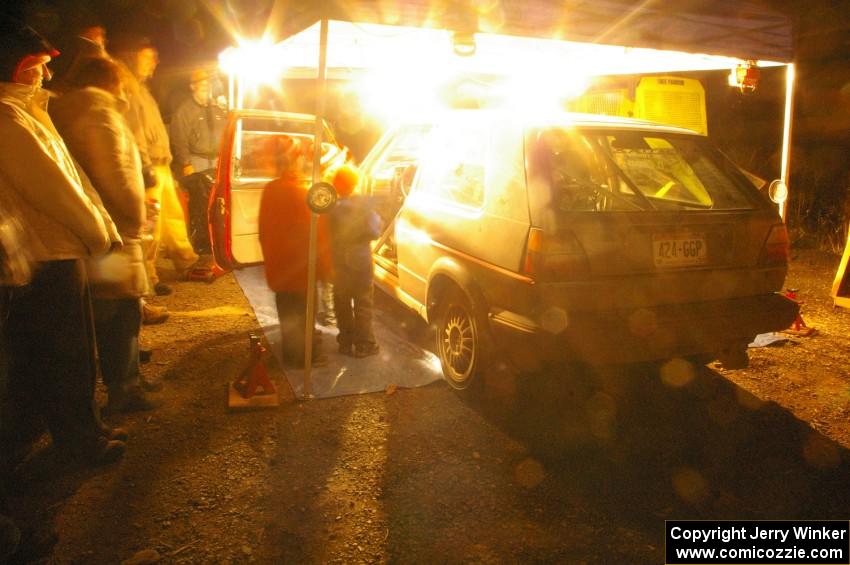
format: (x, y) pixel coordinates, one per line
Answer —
(403, 178)
(237, 168)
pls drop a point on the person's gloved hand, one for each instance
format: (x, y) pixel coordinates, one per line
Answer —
(149, 176)
(188, 170)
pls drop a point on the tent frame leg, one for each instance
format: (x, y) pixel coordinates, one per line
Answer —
(785, 173)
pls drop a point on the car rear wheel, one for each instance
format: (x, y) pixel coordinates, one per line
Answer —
(462, 342)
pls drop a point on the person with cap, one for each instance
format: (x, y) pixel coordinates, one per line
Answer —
(88, 39)
(139, 59)
(89, 117)
(94, 32)
(284, 230)
(353, 225)
(49, 335)
(196, 129)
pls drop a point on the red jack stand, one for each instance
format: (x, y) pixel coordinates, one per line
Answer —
(205, 274)
(798, 327)
(253, 389)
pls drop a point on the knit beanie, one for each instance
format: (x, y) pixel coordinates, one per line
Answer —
(21, 48)
(345, 180)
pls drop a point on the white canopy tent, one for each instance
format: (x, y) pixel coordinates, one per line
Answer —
(357, 47)
(746, 29)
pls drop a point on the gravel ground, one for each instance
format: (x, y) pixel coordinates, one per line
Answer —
(570, 465)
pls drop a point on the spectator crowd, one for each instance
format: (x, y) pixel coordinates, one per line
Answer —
(90, 182)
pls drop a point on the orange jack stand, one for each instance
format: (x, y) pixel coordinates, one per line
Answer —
(204, 274)
(798, 327)
(253, 389)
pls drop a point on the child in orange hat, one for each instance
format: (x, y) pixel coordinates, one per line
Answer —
(353, 225)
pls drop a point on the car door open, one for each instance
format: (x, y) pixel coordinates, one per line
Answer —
(247, 163)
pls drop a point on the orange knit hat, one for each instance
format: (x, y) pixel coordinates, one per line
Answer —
(345, 180)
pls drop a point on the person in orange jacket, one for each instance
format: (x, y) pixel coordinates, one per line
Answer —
(284, 229)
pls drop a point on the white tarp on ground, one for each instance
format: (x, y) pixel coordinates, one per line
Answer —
(399, 362)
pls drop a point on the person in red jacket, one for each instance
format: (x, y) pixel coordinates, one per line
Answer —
(284, 226)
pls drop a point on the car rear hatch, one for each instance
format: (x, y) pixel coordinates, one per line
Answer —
(247, 163)
(650, 230)
(630, 260)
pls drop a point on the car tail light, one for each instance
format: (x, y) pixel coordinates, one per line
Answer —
(558, 256)
(533, 252)
(775, 250)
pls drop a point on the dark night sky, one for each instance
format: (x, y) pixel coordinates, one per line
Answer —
(184, 30)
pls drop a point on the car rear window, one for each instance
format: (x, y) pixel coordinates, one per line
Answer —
(284, 125)
(611, 170)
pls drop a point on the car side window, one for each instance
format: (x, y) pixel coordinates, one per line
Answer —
(391, 172)
(456, 171)
(400, 157)
(578, 177)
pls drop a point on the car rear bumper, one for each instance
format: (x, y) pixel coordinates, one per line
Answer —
(645, 334)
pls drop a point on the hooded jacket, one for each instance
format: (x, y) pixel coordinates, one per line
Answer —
(62, 219)
(95, 130)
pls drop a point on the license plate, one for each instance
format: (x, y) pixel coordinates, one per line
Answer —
(679, 250)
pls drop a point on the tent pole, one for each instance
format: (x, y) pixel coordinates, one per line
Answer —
(240, 92)
(321, 95)
(785, 174)
(230, 92)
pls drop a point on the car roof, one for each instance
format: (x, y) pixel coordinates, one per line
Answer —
(553, 119)
(597, 120)
(261, 113)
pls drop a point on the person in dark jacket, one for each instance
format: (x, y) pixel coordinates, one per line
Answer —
(22, 543)
(353, 224)
(196, 128)
(15, 270)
